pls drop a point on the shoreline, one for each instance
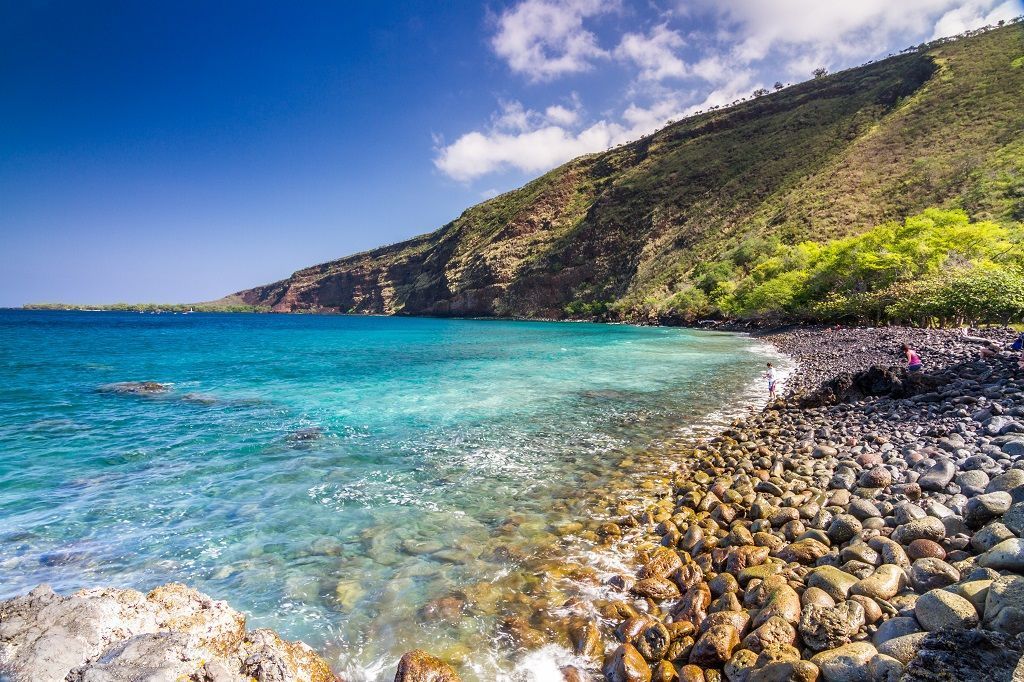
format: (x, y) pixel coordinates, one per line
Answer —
(667, 515)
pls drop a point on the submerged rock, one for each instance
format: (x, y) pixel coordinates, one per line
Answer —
(419, 666)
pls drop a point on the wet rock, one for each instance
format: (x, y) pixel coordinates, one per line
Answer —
(663, 563)
(966, 655)
(940, 609)
(656, 588)
(715, 646)
(805, 551)
(783, 602)
(648, 635)
(626, 664)
(664, 671)
(419, 666)
(586, 639)
(740, 665)
(773, 633)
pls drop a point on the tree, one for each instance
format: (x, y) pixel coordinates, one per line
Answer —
(760, 92)
(778, 85)
(820, 72)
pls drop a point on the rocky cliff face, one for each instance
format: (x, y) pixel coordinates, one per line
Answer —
(941, 126)
(174, 633)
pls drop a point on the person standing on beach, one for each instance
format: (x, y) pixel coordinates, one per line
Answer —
(914, 363)
(770, 376)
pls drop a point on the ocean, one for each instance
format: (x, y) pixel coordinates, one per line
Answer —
(366, 484)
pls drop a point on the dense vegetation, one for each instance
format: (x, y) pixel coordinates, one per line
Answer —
(661, 228)
(933, 268)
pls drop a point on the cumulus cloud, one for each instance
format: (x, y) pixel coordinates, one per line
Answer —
(730, 47)
(827, 31)
(654, 53)
(545, 143)
(543, 39)
(974, 15)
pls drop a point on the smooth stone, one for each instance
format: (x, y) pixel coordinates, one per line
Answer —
(786, 671)
(895, 627)
(1007, 555)
(928, 528)
(844, 527)
(846, 663)
(1004, 605)
(884, 668)
(834, 582)
(983, 508)
(938, 476)
(974, 591)
(884, 583)
(904, 648)
(990, 536)
(940, 609)
(972, 482)
(921, 549)
(929, 574)
(1014, 518)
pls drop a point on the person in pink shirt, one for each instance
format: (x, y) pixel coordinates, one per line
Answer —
(914, 363)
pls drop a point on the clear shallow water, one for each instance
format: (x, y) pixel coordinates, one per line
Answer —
(333, 477)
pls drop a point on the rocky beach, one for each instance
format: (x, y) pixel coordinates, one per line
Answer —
(867, 526)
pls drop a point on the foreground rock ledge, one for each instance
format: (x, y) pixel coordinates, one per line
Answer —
(174, 633)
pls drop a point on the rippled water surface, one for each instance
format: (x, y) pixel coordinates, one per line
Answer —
(366, 484)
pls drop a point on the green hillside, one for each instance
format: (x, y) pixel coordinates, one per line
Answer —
(643, 230)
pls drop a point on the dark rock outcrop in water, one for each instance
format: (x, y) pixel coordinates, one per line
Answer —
(174, 633)
(818, 160)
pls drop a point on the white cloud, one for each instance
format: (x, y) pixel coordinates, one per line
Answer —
(733, 46)
(560, 115)
(806, 30)
(546, 145)
(974, 15)
(544, 39)
(655, 53)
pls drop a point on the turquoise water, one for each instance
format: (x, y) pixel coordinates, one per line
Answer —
(331, 476)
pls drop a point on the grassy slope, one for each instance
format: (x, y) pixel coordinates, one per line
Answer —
(817, 160)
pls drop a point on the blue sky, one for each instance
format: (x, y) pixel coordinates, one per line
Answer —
(182, 151)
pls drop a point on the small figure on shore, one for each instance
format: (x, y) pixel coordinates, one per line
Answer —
(914, 363)
(770, 376)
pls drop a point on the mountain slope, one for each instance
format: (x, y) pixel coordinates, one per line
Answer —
(939, 126)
